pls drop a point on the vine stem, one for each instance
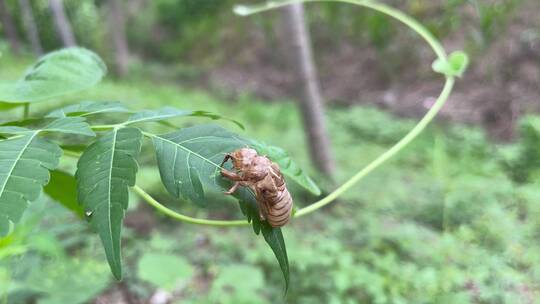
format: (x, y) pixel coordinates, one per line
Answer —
(188, 219)
(413, 133)
(26, 111)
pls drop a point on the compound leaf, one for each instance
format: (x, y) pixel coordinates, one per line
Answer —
(104, 172)
(25, 162)
(55, 74)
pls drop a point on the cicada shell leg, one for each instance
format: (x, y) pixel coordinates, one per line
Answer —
(233, 188)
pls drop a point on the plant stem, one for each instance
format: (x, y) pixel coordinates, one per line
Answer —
(150, 200)
(105, 127)
(26, 111)
(420, 126)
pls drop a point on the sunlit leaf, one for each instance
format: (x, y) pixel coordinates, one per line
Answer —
(87, 108)
(25, 162)
(55, 74)
(104, 172)
(157, 115)
(66, 125)
(170, 112)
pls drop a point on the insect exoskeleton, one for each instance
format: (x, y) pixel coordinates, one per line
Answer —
(264, 178)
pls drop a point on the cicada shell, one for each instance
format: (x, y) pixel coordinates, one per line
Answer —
(264, 178)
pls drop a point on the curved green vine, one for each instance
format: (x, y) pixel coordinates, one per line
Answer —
(413, 133)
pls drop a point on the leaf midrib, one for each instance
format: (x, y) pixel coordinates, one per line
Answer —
(115, 132)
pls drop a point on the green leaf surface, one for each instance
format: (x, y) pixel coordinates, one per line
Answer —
(274, 239)
(55, 74)
(170, 112)
(25, 162)
(5, 106)
(15, 130)
(165, 271)
(249, 207)
(157, 115)
(70, 125)
(104, 172)
(189, 159)
(287, 166)
(27, 121)
(63, 189)
(456, 64)
(66, 125)
(87, 108)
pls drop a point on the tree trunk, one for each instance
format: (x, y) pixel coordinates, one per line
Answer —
(118, 35)
(61, 22)
(30, 27)
(9, 28)
(311, 103)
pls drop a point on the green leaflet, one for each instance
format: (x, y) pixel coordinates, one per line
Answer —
(157, 115)
(165, 113)
(189, 159)
(104, 172)
(287, 166)
(70, 125)
(87, 108)
(25, 162)
(274, 239)
(55, 74)
(66, 125)
(272, 236)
